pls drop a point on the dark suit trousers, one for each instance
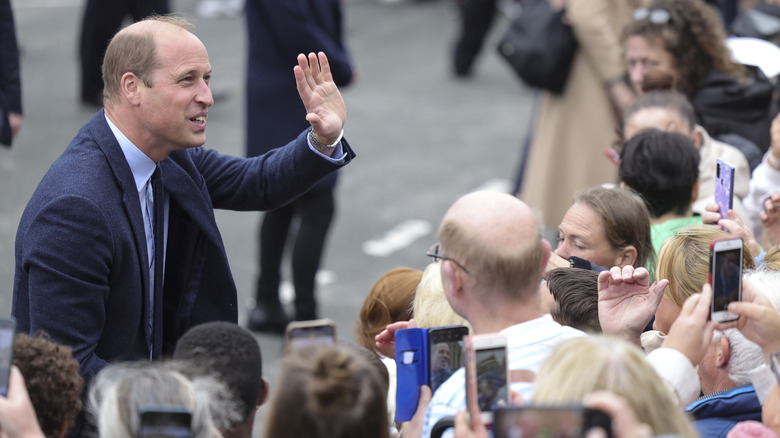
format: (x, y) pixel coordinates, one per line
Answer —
(102, 19)
(315, 211)
(476, 18)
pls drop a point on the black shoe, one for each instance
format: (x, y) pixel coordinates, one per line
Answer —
(268, 319)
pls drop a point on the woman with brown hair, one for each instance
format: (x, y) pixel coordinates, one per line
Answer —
(686, 38)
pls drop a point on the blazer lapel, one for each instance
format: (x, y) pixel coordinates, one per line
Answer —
(132, 204)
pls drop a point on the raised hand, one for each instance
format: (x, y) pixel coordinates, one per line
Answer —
(627, 302)
(325, 108)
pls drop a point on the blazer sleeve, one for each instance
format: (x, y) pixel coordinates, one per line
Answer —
(266, 182)
(67, 256)
(596, 35)
(299, 26)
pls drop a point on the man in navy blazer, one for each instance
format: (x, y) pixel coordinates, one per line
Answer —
(84, 269)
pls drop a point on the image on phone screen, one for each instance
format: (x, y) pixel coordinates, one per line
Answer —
(492, 390)
(445, 354)
(302, 337)
(726, 279)
(162, 424)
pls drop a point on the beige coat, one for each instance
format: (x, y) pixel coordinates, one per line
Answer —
(573, 129)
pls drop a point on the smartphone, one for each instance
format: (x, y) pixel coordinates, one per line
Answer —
(445, 353)
(549, 422)
(165, 422)
(306, 333)
(724, 187)
(725, 276)
(487, 375)
(7, 335)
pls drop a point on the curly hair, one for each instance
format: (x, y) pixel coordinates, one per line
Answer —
(52, 377)
(694, 36)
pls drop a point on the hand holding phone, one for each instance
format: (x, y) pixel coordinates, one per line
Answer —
(724, 187)
(487, 375)
(725, 276)
(7, 336)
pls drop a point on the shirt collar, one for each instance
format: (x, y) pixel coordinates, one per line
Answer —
(141, 165)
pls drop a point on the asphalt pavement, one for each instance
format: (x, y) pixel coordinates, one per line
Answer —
(422, 137)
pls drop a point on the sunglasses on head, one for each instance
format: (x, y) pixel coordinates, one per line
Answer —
(653, 15)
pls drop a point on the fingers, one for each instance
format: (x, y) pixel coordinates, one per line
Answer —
(604, 277)
(425, 399)
(461, 424)
(325, 67)
(702, 304)
(657, 292)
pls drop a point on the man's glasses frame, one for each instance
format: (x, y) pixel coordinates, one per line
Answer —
(433, 253)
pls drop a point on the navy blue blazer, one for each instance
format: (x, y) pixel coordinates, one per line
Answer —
(278, 30)
(81, 253)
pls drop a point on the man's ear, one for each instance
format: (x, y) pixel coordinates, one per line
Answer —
(452, 276)
(547, 250)
(263, 394)
(130, 87)
(724, 354)
(628, 256)
(696, 138)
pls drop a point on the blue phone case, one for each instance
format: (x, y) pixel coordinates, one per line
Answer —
(411, 362)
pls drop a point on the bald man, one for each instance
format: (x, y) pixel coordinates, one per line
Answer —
(492, 257)
(117, 262)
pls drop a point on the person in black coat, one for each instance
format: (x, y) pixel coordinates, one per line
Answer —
(102, 19)
(10, 78)
(278, 30)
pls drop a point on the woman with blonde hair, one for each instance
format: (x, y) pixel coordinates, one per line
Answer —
(684, 260)
(431, 308)
(581, 366)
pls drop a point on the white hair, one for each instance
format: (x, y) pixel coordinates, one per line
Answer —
(745, 355)
(768, 283)
(120, 391)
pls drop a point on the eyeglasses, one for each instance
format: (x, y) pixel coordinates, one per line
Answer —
(655, 16)
(433, 253)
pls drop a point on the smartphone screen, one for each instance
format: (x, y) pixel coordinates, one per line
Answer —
(307, 333)
(724, 187)
(492, 389)
(7, 333)
(445, 353)
(548, 422)
(165, 423)
(725, 277)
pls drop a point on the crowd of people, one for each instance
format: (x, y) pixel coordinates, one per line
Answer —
(616, 317)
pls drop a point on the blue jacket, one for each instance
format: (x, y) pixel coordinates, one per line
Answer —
(81, 259)
(716, 414)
